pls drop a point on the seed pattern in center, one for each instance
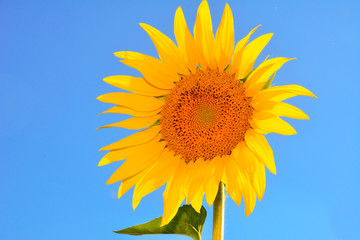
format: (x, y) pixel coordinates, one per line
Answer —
(205, 115)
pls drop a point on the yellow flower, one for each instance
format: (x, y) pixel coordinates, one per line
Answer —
(205, 110)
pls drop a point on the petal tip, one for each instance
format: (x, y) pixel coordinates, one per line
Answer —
(118, 54)
(108, 182)
(102, 149)
(164, 222)
(272, 170)
(143, 25)
(135, 202)
(247, 212)
(103, 162)
(178, 9)
(106, 79)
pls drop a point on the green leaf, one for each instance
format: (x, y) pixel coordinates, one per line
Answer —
(268, 82)
(163, 97)
(245, 78)
(186, 222)
(155, 123)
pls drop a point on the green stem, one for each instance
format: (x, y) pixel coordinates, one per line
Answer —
(218, 217)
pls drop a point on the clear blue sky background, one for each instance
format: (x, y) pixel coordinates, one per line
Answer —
(53, 57)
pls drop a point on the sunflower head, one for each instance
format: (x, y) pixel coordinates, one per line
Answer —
(205, 115)
(204, 110)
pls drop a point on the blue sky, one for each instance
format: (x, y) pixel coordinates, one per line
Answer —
(53, 57)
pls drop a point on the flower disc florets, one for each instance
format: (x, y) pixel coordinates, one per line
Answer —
(205, 115)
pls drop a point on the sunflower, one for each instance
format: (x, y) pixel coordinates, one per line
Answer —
(204, 111)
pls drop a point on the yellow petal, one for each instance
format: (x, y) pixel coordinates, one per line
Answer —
(263, 105)
(135, 139)
(211, 190)
(129, 111)
(213, 178)
(196, 203)
(136, 85)
(249, 198)
(118, 155)
(259, 180)
(258, 144)
(244, 158)
(261, 74)
(251, 52)
(138, 161)
(200, 178)
(246, 190)
(280, 93)
(185, 41)
(215, 175)
(157, 176)
(133, 101)
(197, 172)
(261, 115)
(155, 71)
(128, 183)
(174, 194)
(224, 40)
(238, 52)
(248, 162)
(232, 171)
(135, 56)
(273, 125)
(204, 36)
(286, 110)
(220, 167)
(135, 122)
(167, 49)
